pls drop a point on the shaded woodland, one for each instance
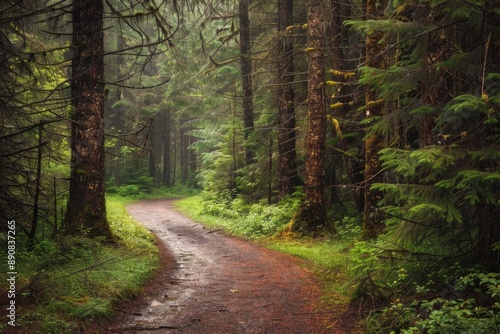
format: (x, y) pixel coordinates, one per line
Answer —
(378, 117)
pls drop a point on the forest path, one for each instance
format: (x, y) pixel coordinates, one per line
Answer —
(213, 283)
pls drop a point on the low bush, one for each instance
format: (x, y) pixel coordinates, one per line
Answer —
(450, 300)
(253, 221)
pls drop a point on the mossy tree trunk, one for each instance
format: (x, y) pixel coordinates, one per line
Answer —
(311, 217)
(86, 209)
(373, 222)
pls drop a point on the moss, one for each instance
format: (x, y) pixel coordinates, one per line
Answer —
(309, 220)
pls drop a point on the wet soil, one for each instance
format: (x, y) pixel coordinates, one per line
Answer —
(213, 283)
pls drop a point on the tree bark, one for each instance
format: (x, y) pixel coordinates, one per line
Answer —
(311, 217)
(246, 76)
(153, 146)
(288, 177)
(183, 148)
(166, 147)
(86, 208)
(373, 222)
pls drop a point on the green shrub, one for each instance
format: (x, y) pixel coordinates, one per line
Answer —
(453, 300)
(130, 190)
(255, 220)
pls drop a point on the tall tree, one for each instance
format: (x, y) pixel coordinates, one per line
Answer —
(288, 177)
(372, 219)
(86, 209)
(166, 139)
(246, 75)
(311, 216)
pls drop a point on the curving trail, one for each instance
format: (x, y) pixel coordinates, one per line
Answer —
(218, 284)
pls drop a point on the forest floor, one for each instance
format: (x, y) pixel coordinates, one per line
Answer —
(213, 283)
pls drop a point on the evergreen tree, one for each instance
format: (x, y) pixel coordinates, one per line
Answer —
(288, 177)
(86, 211)
(246, 79)
(31, 113)
(443, 196)
(375, 58)
(312, 214)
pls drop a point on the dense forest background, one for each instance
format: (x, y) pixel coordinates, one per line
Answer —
(377, 117)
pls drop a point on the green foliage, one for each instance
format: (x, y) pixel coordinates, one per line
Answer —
(470, 304)
(235, 216)
(129, 190)
(460, 113)
(389, 81)
(77, 280)
(370, 275)
(329, 259)
(347, 228)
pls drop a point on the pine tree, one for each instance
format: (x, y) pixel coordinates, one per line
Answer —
(246, 79)
(86, 210)
(311, 216)
(375, 47)
(32, 102)
(443, 196)
(288, 177)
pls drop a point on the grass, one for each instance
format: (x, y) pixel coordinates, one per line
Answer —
(66, 284)
(328, 259)
(190, 206)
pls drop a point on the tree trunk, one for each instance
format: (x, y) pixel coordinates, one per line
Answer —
(246, 76)
(153, 146)
(183, 148)
(192, 162)
(288, 177)
(166, 147)
(311, 217)
(373, 222)
(116, 121)
(86, 210)
(36, 197)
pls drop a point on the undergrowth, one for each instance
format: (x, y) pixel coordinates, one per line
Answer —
(450, 300)
(236, 217)
(423, 296)
(65, 283)
(148, 191)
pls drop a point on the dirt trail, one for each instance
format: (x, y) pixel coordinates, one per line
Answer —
(218, 284)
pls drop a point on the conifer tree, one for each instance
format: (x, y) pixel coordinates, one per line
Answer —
(32, 99)
(246, 76)
(86, 210)
(288, 177)
(311, 216)
(375, 46)
(442, 198)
